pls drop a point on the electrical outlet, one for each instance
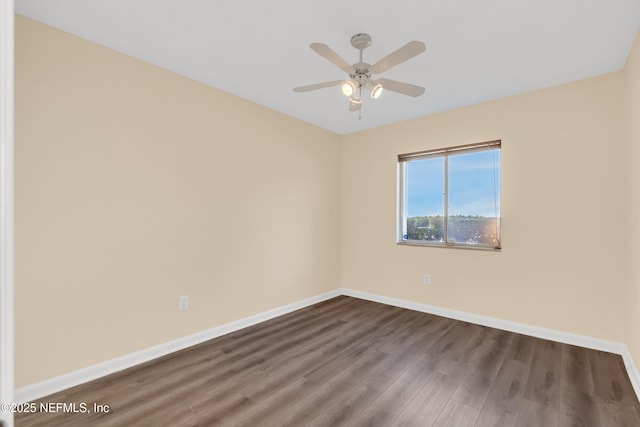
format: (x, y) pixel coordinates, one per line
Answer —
(427, 279)
(183, 302)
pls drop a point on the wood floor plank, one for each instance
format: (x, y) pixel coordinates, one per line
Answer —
(278, 404)
(621, 416)
(346, 410)
(536, 414)
(426, 337)
(579, 409)
(351, 362)
(521, 348)
(315, 404)
(543, 383)
(474, 389)
(457, 414)
(426, 406)
(616, 400)
(359, 349)
(502, 406)
(609, 379)
(390, 403)
(273, 375)
(206, 410)
(459, 343)
(575, 369)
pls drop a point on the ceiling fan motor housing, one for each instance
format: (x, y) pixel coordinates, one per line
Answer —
(361, 72)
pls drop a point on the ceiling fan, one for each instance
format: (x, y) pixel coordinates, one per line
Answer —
(360, 73)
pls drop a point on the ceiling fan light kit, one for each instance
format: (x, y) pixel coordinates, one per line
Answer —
(375, 89)
(360, 73)
(348, 87)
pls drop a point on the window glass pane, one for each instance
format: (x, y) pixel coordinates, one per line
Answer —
(425, 200)
(474, 198)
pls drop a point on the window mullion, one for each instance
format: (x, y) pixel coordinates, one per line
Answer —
(446, 199)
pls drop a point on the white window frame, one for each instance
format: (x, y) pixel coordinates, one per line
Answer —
(7, 207)
(403, 159)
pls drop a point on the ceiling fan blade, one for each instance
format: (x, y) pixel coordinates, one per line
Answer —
(326, 52)
(317, 86)
(405, 53)
(400, 87)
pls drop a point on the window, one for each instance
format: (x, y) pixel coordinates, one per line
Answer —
(451, 196)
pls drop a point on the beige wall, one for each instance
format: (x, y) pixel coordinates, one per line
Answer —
(562, 262)
(632, 297)
(135, 185)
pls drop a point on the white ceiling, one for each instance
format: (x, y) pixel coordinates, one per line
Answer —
(259, 50)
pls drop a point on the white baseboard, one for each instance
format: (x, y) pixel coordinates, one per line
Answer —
(520, 328)
(632, 370)
(62, 382)
(47, 387)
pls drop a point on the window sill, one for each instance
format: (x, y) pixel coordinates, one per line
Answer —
(451, 246)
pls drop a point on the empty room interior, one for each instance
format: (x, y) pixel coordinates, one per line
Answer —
(149, 169)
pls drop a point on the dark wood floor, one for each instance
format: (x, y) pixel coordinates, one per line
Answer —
(349, 362)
